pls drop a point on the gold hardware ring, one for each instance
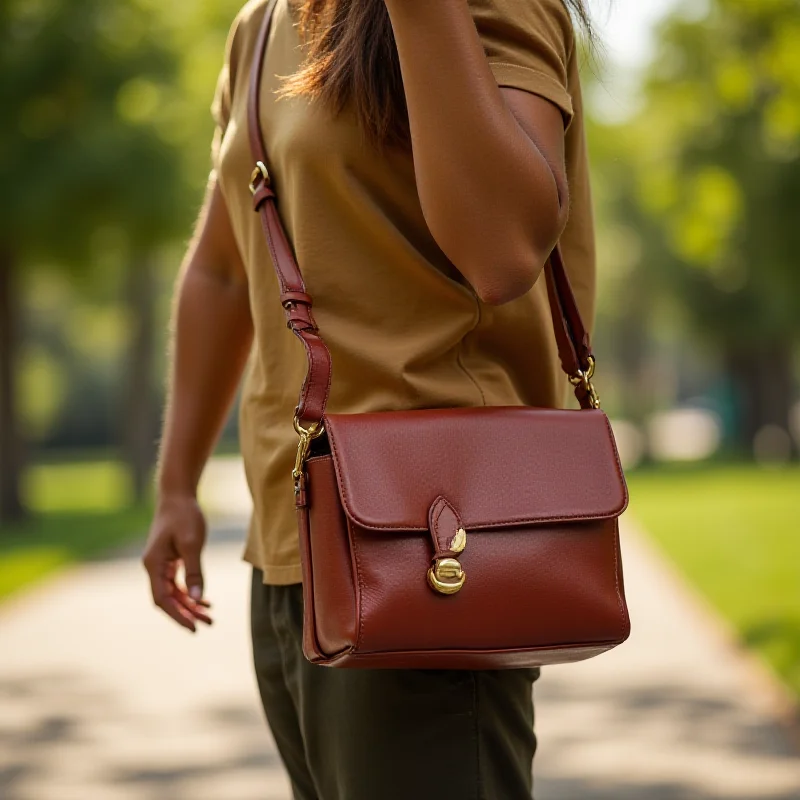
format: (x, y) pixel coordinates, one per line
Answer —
(313, 431)
(259, 171)
(586, 374)
(584, 378)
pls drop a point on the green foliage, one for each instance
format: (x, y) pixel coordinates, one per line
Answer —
(39, 548)
(103, 159)
(732, 531)
(78, 486)
(82, 510)
(698, 197)
(82, 152)
(717, 153)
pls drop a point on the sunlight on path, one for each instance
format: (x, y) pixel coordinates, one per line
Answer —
(103, 699)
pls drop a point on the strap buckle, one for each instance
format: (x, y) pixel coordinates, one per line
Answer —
(262, 172)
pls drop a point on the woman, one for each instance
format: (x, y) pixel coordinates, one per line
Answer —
(427, 157)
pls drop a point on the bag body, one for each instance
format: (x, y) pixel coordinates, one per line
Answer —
(537, 493)
(460, 538)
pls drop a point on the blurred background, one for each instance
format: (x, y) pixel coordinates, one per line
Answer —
(695, 145)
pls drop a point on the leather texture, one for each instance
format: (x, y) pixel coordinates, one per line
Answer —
(444, 524)
(523, 503)
(499, 466)
(539, 592)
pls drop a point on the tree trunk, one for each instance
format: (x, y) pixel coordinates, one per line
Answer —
(11, 507)
(139, 407)
(763, 384)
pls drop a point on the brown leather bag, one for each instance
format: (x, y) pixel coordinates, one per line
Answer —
(464, 538)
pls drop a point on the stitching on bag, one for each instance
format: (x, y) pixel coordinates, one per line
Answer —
(330, 375)
(311, 368)
(618, 463)
(481, 523)
(353, 542)
(439, 513)
(623, 614)
(590, 649)
(265, 223)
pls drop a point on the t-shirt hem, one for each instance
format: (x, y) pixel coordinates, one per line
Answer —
(517, 76)
(275, 574)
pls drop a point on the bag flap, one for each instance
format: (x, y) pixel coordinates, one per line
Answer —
(499, 466)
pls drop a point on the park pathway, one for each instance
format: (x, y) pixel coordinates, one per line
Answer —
(102, 699)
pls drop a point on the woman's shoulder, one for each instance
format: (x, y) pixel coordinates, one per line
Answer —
(250, 13)
(242, 36)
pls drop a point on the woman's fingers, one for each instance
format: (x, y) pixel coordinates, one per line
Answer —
(175, 610)
(172, 599)
(194, 607)
(163, 589)
(161, 569)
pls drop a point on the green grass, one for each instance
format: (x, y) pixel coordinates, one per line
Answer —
(734, 531)
(80, 511)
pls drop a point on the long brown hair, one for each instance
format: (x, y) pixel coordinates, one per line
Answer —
(352, 58)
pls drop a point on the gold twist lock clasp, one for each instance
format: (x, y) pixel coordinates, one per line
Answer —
(446, 576)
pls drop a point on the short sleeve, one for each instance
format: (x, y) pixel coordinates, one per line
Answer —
(223, 95)
(221, 104)
(528, 44)
(221, 112)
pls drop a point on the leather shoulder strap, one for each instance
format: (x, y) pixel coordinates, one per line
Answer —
(574, 347)
(296, 302)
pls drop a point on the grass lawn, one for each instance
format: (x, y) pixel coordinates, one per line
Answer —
(80, 510)
(734, 531)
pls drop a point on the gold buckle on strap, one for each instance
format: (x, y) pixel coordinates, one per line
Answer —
(262, 172)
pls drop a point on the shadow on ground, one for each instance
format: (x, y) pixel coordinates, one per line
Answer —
(693, 718)
(569, 789)
(57, 730)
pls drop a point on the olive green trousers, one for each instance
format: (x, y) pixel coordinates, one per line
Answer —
(379, 734)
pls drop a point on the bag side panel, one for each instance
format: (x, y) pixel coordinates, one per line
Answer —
(330, 568)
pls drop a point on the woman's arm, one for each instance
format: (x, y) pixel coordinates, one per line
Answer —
(212, 334)
(489, 162)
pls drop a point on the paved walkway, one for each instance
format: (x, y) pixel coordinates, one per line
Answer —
(102, 699)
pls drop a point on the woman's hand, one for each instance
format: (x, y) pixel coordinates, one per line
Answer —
(176, 540)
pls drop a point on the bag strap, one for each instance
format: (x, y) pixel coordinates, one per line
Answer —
(574, 346)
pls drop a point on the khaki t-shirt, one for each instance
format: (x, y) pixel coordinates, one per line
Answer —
(404, 329)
